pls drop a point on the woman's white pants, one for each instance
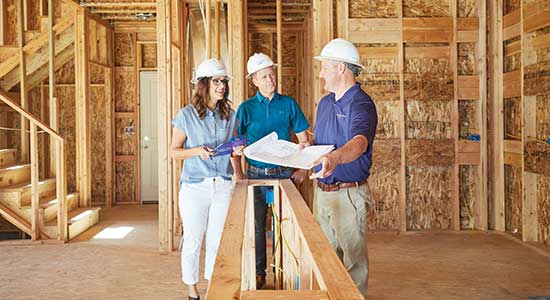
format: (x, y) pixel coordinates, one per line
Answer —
(203, 207)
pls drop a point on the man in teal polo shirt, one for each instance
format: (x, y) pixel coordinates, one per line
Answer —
(257, 117)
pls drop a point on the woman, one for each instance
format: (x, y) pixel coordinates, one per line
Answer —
(205, 184)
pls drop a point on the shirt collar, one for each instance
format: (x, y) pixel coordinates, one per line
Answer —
(261, 98)
(348, 95)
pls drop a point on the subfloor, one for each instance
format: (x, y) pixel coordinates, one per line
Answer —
(125, 264)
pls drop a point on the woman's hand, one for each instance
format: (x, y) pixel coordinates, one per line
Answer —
(205, 152)
(238, 151)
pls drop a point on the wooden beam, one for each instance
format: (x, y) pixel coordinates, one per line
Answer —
(83, 166)
(109, 119)
(217, 48)
(207, 35)
(35, 222)
(24, 146)
(455, 180)
(237, 49)
(482, 203)
(51, 84)
(280, 46)
(402, 126)
(284, 294)
(120, 4)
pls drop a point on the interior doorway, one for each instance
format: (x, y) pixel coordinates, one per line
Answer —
(148, 82)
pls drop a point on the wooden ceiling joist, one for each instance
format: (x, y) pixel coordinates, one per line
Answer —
(126, 17)
(121, 4)
(126, 11)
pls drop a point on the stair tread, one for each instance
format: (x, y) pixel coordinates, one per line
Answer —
(74, 213)
(47, 201)
(21, 186)
(14, 166)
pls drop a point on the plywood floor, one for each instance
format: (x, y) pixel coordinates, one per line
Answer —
(406, 266)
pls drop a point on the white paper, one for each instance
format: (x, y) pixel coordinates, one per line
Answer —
(271, 150)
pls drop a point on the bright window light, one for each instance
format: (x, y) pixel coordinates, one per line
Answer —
(114, 233)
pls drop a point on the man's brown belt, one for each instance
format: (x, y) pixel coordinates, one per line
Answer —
(339, 185)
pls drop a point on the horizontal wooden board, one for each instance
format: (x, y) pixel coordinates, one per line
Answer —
(535, 15)
(468, 87)
(428, 30)
(511, 19)
(512, 84)
(374, 30)
(511, 31)
(467, 36)
(513, 146)
(468, 158)
(512, 159)
(470, 23)
(467, 146)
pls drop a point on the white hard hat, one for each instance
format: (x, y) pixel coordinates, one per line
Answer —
(210, 68)
(257, 62)
(341, 50)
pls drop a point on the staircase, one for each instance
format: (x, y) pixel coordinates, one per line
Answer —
(16, 182)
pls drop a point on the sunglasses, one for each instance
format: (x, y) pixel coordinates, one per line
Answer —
(217, 82)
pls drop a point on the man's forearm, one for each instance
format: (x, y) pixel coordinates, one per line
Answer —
(351, 150)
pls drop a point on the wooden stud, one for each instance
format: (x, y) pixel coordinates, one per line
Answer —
(207, 35)
(237, 49)
(83, 159)
(137, 113)
(498, 116)
(109, 120)
(3, 21)
(35, 222)
(22, 81)
(280, 46)
(51, 84)
(402, 128)
(455, 180)
(217, 49)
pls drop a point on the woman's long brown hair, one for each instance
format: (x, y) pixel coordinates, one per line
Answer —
(201, 95)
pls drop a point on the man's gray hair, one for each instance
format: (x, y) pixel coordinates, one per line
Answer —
(356, 70)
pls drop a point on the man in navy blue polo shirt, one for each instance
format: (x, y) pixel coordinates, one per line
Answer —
(257, 117)
(347, 119)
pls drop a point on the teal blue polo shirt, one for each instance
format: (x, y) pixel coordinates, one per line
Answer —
(258, 117)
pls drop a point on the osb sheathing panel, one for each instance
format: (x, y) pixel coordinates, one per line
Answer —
(537, 157)
(469, 188)
(537, 79)
(125, 89)
(467, 119)
(125, 181)
(429, 204)
(467, 8)
(125, 142)
(67, 129)
(512, 58)
(426, 8)
(428, 120)
(510, 6)
(384, 182)
(384, 186)
(512, 198)
(388, 119)
(466, 59)
(429, 152)
(149, 56)
(11, 20)
(543, 208)
(124, 49)
(362, 9)
(97, 74)
(380, 79)
(289, 86)
(532, 52)
(66, 74)
(428, 79)
(512, 118)
(543, 117)
(97, 152)
(289, 43)
(13, 136)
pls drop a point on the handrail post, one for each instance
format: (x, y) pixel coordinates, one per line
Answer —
(61, 191)
(35, 226)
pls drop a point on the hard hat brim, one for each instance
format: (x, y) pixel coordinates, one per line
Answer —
(250, 74)
(321, 57)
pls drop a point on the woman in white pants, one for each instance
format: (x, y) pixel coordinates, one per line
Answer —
(205, 184)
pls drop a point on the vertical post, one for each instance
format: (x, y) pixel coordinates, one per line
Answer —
(321, 36)
(218, 53)
(164, 113)
(137, 115)
(82, 109)
(280, 46)
(109, 118)
(22, 84)
(402, 130)
(35, 223)
(455, 180)
(51, 85)
(207, 34)
(482, 71)
(237, 44)
(498, 115)
(3, 22)
(61, 191)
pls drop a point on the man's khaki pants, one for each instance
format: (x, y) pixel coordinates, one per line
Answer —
(342, 216)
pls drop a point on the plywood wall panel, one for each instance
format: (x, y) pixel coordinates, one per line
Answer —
(543, 209)
(361, 9)
(426, 8)
(469, 191)
(125, 89)
(513, 199)
(98, 111)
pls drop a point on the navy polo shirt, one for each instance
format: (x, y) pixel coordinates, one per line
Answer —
(258, 117)
(338, 122)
